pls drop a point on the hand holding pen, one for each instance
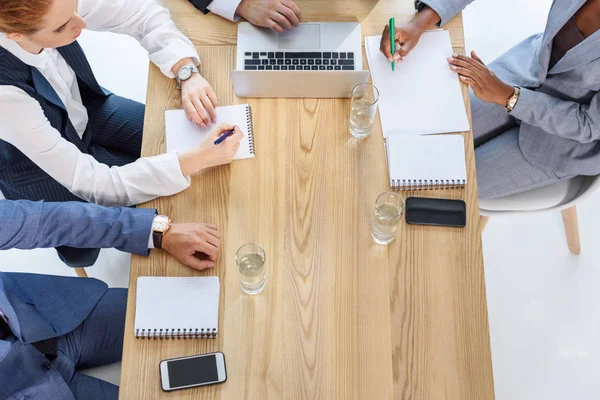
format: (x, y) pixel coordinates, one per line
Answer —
(219, 148)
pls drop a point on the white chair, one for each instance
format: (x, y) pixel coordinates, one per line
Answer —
(562, 196)
(109, 373)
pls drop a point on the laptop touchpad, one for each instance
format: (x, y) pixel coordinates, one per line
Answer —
(304, 36)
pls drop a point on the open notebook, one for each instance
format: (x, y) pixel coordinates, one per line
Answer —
(423, 95)
(176, 308)
(183, 134)
(426, 162)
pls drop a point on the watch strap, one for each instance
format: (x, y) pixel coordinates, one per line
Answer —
(157, 239)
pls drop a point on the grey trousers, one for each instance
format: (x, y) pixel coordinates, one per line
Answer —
(502, 169)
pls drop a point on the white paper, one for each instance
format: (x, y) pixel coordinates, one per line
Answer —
(426, 158)
(177, 303)
(423, 95)
(183, 135)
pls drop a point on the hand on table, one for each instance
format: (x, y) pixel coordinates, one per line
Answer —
(198, 100)
(278, 15)
(182, 241)
(484, 82)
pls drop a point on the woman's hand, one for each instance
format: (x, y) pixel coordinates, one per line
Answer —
(198, 100)
(484, 82)
(209, 154)
(406, 37)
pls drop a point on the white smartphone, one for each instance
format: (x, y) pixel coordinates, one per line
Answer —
(189, 372)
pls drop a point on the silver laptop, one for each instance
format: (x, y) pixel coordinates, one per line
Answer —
(316, 60)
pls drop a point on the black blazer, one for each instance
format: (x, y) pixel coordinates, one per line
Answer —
(201, 5)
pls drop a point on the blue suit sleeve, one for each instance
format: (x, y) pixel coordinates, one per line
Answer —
(30, 225)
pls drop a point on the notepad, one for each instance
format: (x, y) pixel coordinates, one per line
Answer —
(183, 135)
(426, 162)
(176, 308)
(423, 95)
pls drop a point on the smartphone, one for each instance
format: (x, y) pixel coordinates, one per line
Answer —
(441, 212)
(189, 372)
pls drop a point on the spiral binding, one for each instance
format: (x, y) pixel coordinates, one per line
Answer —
(250, 129)
(424, 184)
(176, 333)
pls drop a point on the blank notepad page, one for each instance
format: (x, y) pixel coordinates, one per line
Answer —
(177, 307)
(426, 161)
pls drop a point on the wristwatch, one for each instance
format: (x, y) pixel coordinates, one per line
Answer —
(185, 73)
(512, 100)
(160, 226)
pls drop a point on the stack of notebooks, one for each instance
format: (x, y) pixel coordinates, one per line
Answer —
(421, 98)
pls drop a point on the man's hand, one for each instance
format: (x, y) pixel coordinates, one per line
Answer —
(182, 241)
(278, 15)
(198, 100)
(485, 84)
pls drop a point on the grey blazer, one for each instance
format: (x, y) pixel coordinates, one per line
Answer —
(559, 109)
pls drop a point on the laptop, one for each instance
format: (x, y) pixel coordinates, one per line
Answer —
(315, 60)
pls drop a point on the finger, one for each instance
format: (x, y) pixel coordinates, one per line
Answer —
(292, 6)
(213, 232)
(403, 49)
(281, 20)
(220, 129)
(208, 106)
(208, 248)
(476, 57)
(213, 98)
(237, 136)
(213, 241)
(289, 14)
(469, 60)
(195, 263)
(465, 72)
(470, 82)
(275, 26)
(201, 111)
(212, 226)
(457, 63)
(190, 111)
(384, 45)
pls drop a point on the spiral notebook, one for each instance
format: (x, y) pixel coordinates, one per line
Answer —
(426, 162)
(183, 134)
(177, 308)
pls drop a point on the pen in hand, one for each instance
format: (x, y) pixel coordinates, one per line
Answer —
(392, 25)
(224, 136)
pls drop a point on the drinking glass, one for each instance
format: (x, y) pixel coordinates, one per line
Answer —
(389, 208)
(250, 260)
(364, 108)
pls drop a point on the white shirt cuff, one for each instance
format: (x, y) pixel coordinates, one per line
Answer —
(225, 8)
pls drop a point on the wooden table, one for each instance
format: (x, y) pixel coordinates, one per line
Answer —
(340, 317)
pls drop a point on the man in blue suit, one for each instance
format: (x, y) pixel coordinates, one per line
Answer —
(50, 326)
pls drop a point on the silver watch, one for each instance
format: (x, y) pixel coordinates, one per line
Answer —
(185, 73)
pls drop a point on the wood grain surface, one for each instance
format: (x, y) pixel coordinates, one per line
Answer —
(340, 317)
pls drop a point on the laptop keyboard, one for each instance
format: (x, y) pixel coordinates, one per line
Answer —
(299, 61)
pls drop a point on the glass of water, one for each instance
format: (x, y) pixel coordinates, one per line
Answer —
(389, 208)
(250, 260)
(364, 107)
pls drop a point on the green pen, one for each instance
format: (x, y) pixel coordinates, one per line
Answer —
(393, 39)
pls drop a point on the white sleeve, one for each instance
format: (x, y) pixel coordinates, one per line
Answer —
(24, 125)
(225, 8)
(146, 21)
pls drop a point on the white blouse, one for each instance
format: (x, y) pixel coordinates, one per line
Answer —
(24, 125)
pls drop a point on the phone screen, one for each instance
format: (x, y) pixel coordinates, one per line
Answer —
(193, 371)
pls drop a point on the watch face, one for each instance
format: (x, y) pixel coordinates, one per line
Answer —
(184, 74)
(160, 223)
